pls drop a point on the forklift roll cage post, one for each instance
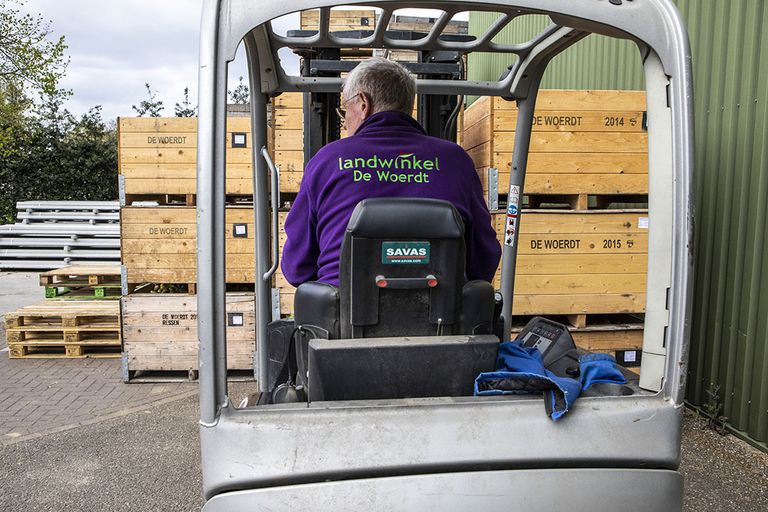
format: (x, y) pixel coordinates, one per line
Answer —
(657, 29)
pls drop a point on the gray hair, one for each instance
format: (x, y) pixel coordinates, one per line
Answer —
(388, 85)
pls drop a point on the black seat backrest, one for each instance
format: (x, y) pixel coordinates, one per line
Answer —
(402, 269)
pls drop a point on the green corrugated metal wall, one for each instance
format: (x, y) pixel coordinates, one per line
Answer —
(729, 40)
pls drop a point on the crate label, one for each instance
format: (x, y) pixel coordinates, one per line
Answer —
(618, 243)
(629, 358)
(167, 231)
(166, 139)
(616, 121)
(240, 231)
(235, 319)
(239, 140)
(556, 243)
(550, 120)
(175, 319)
(395, 253)
(642, 223)
(513, 209)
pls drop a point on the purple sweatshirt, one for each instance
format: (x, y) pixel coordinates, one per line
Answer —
(389, 156)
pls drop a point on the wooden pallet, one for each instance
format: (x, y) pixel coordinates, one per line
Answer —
(53, 350)
(107, 292)
(160, 199)
(64, 329)
(81, 275)
(59, 315)
(582, 201)
(82, 282)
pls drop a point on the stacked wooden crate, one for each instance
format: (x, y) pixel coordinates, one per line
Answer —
(158, 219)
(158, 159)
(159, 246)
(577, 257)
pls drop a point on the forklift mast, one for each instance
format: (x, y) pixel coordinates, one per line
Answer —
(437, 113)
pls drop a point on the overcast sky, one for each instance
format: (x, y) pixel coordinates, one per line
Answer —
(115, 46)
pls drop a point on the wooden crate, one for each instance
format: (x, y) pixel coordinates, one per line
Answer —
(70, 329)
(159, 155)
(579, 262)
(288, 139)
(583, 142)
(160, 332)
(158, 244)
(625, 343)
(569, 263)
(361, 19)
(365, 19)
(284, 287)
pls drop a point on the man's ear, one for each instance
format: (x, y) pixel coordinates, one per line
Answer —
(366, 106)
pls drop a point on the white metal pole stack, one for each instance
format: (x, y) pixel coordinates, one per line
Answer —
(53, 234)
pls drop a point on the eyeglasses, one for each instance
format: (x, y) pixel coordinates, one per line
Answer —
(341, 110)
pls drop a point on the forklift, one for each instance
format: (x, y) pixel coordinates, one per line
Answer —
(387, 419)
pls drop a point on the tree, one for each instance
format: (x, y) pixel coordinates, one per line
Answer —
(241, 94)
(30, 65)
(59, 157)
(27, 57)
(150, 107)
(46, 153)
(185, 109)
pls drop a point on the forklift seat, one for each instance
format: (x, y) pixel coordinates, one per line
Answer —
(401, 273)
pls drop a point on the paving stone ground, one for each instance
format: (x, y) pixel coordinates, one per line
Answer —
(42, 396)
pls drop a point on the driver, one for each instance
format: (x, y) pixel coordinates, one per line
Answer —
(386, 154)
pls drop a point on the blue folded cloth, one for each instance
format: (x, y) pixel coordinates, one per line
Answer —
(599, 368)
(520, 370)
